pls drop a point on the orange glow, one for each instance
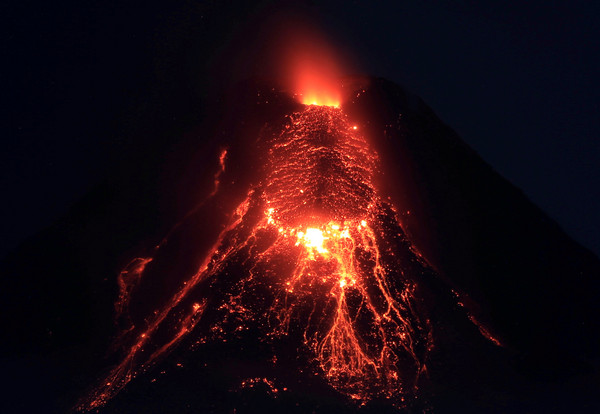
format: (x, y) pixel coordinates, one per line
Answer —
(313, 67)
(316, 79)
(313, 238)
(217, 178)
(316, 88)
(336, 283)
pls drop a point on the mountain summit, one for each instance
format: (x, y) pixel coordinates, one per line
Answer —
(314, 259)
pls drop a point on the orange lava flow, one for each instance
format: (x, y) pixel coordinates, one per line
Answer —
(361, 328)
(316, 237)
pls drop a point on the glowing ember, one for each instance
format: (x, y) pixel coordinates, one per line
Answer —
(316, 235)
(317, 88)
(315, 71)
(312, 239)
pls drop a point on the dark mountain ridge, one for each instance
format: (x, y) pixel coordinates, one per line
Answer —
(520, 278)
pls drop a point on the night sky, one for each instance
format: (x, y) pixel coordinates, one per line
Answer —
(517, 80)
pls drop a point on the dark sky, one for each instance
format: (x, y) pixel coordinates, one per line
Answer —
(517, 80)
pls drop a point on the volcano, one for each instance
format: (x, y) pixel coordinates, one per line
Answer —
(347, 257)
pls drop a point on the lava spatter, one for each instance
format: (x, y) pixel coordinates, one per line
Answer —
(329, 258)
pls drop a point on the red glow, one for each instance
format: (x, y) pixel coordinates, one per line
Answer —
(316, 83)
(312, 67)
(326, 258)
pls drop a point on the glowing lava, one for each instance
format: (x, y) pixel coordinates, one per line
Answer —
(313, 239)
(317, 88)
(329, 258)
(315, 70)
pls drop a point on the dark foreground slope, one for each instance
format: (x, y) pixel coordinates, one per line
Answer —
(533, 284)
(495, 258)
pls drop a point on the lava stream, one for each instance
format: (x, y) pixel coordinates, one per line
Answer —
(313, 253)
